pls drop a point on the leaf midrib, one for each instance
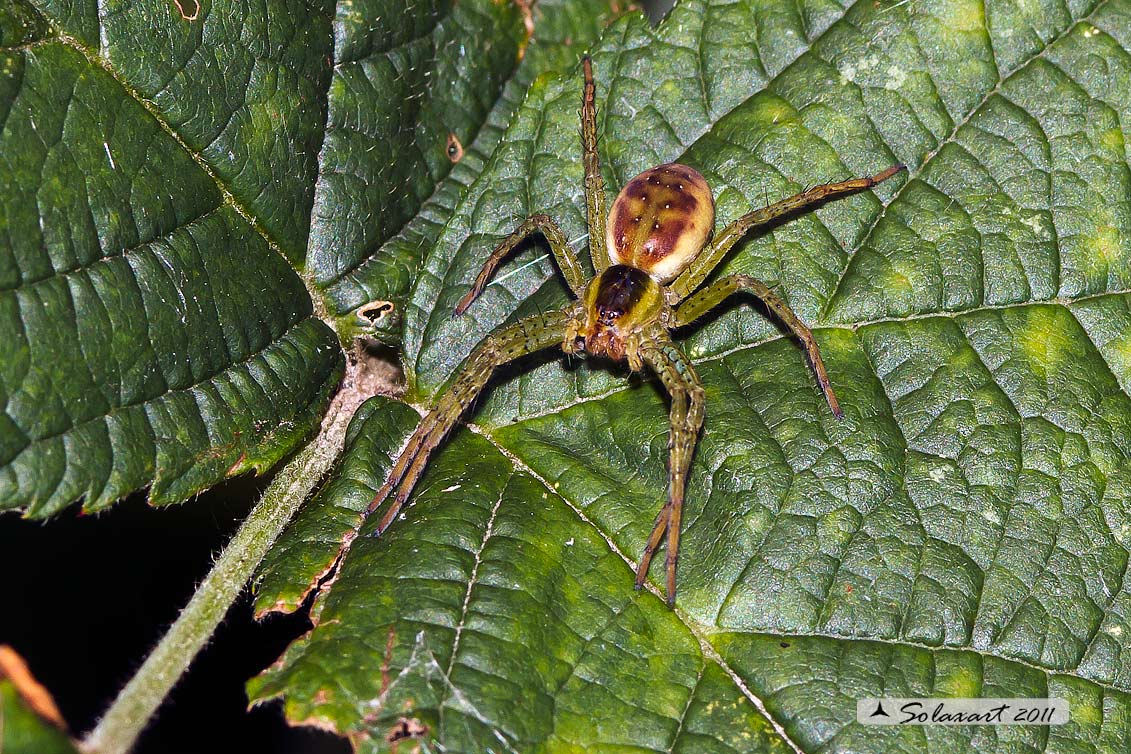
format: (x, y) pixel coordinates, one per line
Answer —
(488, 532)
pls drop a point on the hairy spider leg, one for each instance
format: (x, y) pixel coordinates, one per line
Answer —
(714, 294)
(504, 345)
(563, 254)
(709, 258)
(686, 391)
(595, 199)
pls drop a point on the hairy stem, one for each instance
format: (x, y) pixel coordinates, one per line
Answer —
(124, 721)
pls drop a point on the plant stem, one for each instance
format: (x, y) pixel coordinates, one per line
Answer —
(124, 721)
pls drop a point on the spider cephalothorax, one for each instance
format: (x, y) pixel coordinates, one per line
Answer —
(650, 256)
(619, 313)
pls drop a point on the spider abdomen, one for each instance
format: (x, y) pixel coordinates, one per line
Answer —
(660, 220)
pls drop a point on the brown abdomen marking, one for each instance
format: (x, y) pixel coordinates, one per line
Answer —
(660, 220)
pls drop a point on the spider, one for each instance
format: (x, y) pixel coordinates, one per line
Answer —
(650, 257)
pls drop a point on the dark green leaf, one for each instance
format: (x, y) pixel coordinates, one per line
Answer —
(151, 335)
(172, 174)
(387, 272)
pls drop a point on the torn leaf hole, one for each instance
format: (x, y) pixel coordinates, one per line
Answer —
(406, 727)
(455, 149)
(188, 16)
(375, 311)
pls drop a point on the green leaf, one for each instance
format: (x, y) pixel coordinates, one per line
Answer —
(962, 532)
(399, 615)
(398, 91)
(178, 180)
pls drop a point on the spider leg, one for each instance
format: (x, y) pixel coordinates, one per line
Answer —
(594, 183)
(714, 294)
(686, 391)
(504, 345)
(563, 254)
(709, 258)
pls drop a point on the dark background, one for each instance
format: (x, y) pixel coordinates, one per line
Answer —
(89, 596)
